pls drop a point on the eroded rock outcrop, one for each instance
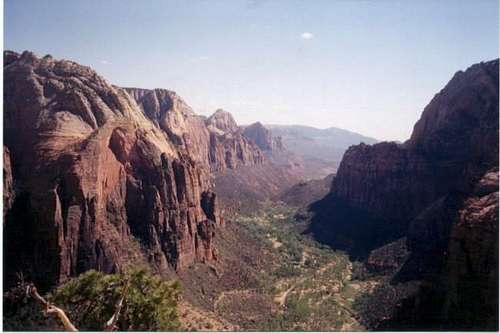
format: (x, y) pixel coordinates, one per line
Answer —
(8, 182)
(453, 144)
(471, 294)
(247, 188)
(431, 190)
(455, 255)
(388, 258)
(98, 182)
(216, 142)
(262, 137)
(223, 121)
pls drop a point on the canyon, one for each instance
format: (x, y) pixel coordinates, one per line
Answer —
(267, 227)
(98, 176)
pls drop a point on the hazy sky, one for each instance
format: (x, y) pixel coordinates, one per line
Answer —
(366, 66)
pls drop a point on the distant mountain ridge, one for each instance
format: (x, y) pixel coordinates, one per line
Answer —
(294, 153)
(325, 144)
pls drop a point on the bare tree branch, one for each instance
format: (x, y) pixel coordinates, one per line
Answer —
(51, 309)
(111, 323)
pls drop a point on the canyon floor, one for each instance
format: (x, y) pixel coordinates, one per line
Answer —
(274, 277)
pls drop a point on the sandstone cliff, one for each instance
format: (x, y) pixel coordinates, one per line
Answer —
(427, 191)
(223, 121)
(247, 188)
(8, 182)
(454, 252)
(472, 264)
(392, 183)
(246, 170)
(216, 142)
(99, 180)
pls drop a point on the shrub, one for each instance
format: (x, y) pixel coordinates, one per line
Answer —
(22, 313)
(90, 300)
(298, 309)
(286, 270)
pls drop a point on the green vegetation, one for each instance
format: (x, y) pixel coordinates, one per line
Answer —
(297, 311)
(286, 270)
(309, 282)
(90, 300)
(303, 285)
(22, 313)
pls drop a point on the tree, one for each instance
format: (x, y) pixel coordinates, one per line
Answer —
(96, 301)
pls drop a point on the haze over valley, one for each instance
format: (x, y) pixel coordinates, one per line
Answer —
(131, 208)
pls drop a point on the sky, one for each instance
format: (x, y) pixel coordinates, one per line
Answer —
(366, 66)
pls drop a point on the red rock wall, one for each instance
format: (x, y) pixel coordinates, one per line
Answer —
(215, 142)
(452, 145)
(93, 177)
(472, 262)
(432, 190)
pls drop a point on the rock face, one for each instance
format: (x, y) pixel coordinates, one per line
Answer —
(223, 121)
(245, 171)
(427, 190)
(216, 142)
(388, 258)
(306, 192)
(247, 188)
(8, 182)
(455, 254)
(393, 183)
(472, 263)
(96, 175)
(262, 137)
